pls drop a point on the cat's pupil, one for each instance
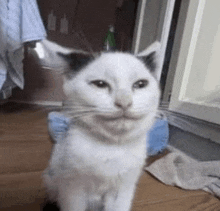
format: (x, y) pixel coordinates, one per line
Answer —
(140, 84)
(100, 83)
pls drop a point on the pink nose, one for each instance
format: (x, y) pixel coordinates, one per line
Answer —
(123, 99)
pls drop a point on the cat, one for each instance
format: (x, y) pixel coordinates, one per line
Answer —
(112, 98)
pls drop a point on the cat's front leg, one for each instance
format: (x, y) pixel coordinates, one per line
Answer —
(72, 197)
(120, 201)
(122, 198)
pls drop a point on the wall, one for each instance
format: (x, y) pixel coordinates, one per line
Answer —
(86, 20)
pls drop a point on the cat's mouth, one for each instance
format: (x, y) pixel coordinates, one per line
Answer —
(122, 116)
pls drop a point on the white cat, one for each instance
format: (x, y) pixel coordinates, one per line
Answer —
(112, 99)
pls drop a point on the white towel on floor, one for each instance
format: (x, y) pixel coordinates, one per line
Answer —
(178, 169)
(20, 22)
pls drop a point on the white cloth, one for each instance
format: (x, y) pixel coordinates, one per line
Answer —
(178, 169)
(20, 22)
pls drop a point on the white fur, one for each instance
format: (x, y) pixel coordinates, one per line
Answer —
(100, 161)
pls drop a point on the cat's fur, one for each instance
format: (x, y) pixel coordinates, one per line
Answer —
(113, 100)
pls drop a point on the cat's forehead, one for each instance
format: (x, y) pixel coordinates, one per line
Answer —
(116, 64)
(119, 60)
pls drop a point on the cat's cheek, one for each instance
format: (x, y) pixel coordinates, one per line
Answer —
(99, 99)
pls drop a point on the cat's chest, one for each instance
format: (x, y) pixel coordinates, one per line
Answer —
(85, 155)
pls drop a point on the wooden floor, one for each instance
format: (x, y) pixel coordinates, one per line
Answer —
(25, 149)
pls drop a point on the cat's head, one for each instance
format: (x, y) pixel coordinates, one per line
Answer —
(115, 90)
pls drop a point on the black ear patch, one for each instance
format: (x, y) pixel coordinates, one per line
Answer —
(150, 61)
(76, 61)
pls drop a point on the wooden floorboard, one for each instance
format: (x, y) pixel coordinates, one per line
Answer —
(153, 195)
(24, 152)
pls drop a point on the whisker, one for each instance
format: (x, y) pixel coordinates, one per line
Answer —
(178, 118)
(87, 43)
(71, 104)
(79, 114)
(164, 105)
(164, 102)
(144, 109)
(78, 109)
(87, 109)
(85, 112)
(161, 113)
(175, 117)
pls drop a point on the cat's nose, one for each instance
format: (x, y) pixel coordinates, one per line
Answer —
(123, 99)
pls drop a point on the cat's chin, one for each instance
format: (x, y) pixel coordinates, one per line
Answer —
(118, 125)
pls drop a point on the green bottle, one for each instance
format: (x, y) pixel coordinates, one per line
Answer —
(109, 44)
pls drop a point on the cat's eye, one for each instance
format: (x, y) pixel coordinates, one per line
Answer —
(140, 84)
(100, 84)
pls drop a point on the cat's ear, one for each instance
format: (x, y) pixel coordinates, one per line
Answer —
(75, 61)
(56, 57)
(151, 56)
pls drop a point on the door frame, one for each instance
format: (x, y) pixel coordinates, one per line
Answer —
(162, 22)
